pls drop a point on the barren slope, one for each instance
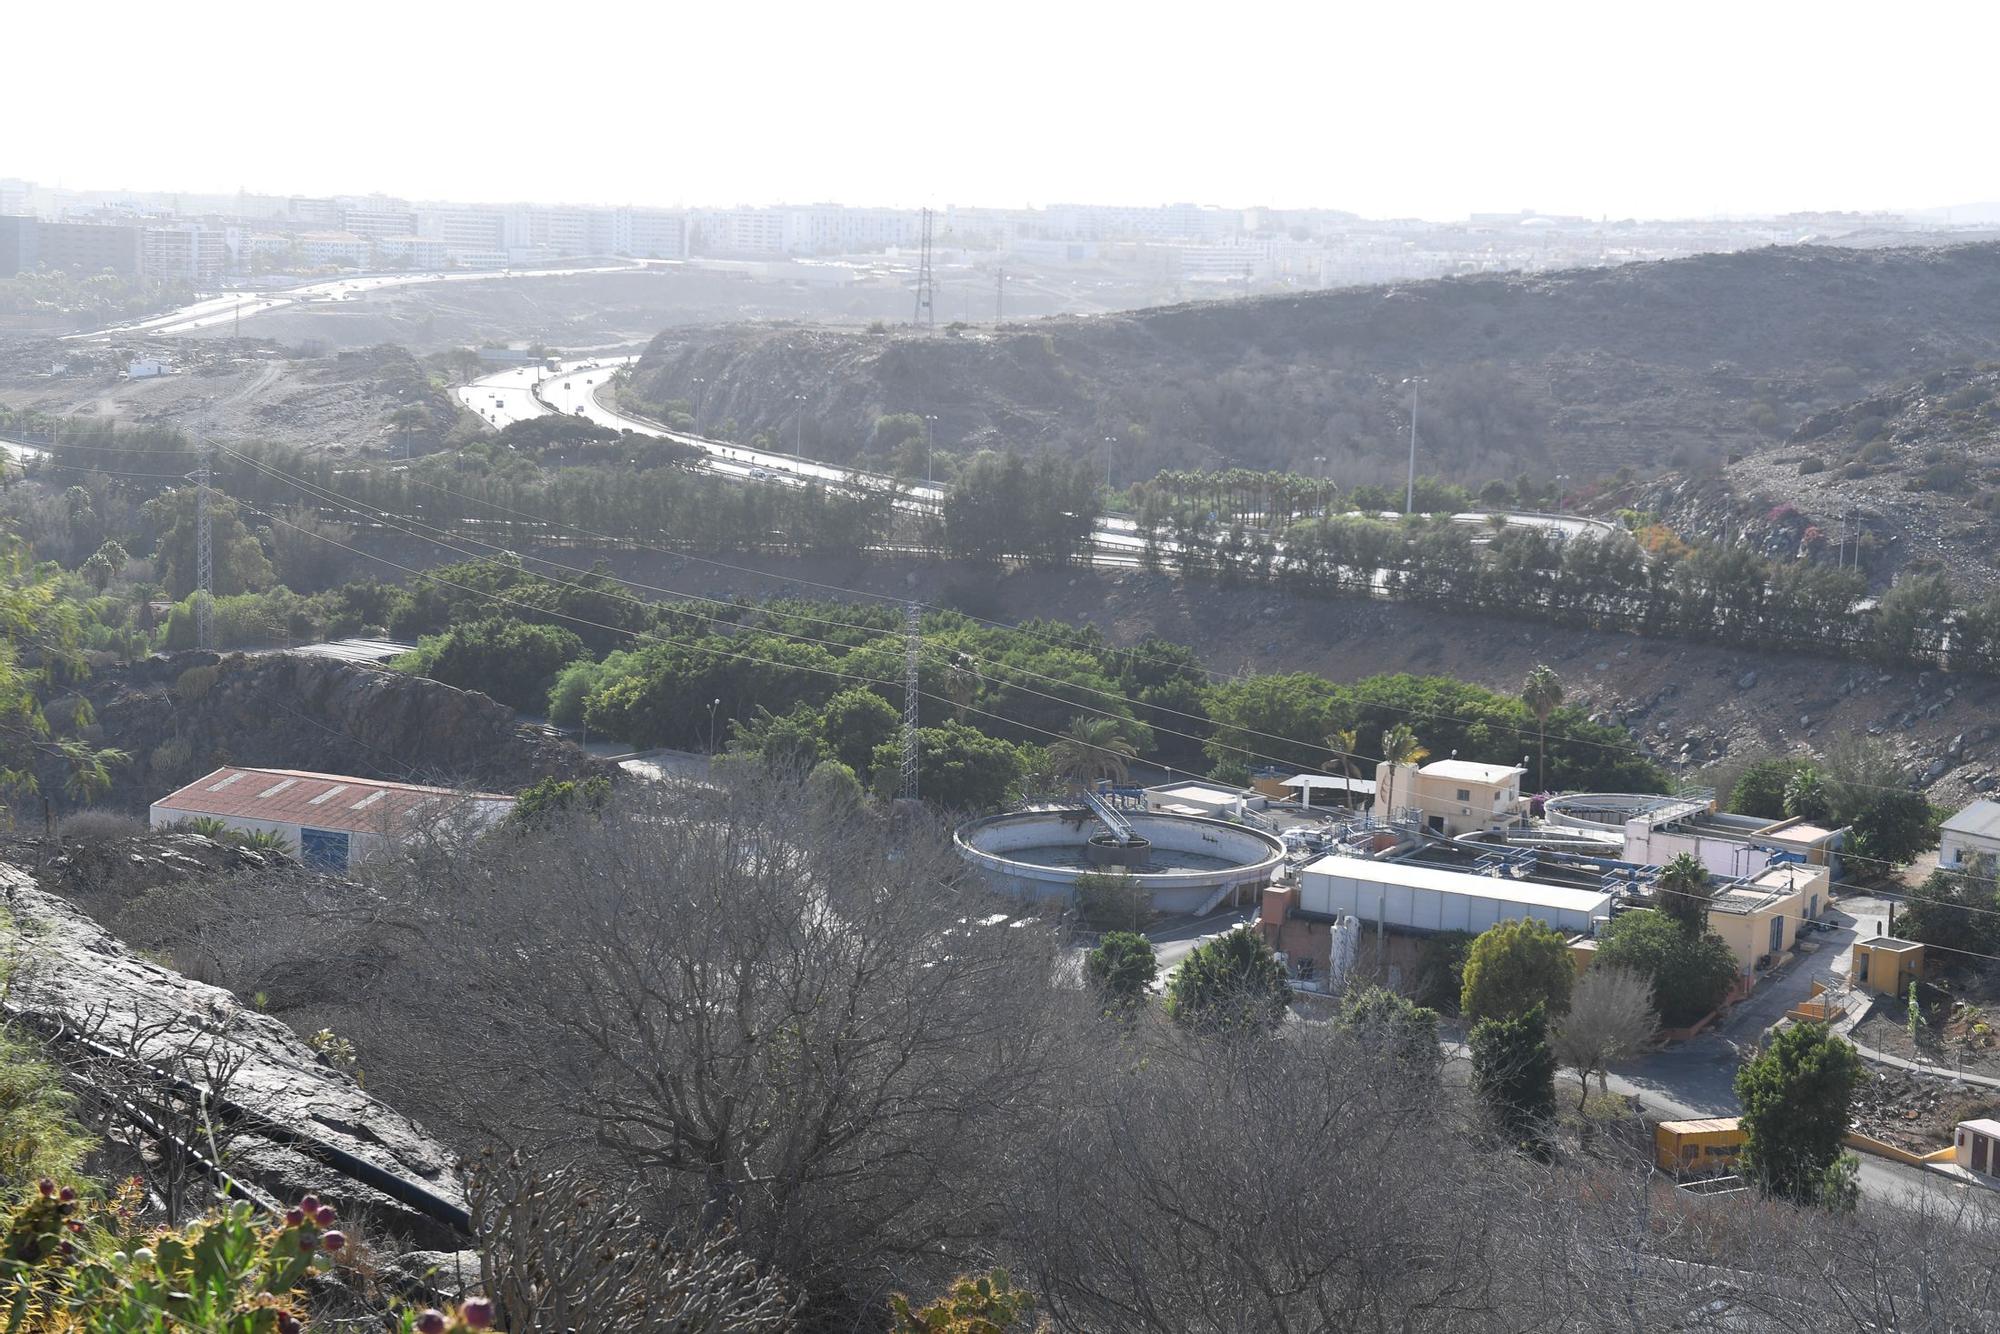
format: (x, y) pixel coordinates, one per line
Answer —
(1582, 371)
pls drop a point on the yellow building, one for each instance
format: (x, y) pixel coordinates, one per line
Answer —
(1451, 797)
(1759, 916)
(1887, 965)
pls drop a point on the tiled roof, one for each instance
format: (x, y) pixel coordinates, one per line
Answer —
(293, 796)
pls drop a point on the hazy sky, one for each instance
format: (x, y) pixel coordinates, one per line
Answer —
(1387, 109)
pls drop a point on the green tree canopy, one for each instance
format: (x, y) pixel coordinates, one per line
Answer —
(1690, 973)
(1760, 790)
(1954, 911)
(1230, 984)
(854, 723)
(1685, 891)
(958, 767)
(513, 661)
(1382, 1021)
(240, 563)
(1122, 966)
(1514, 1075)
(1516, 967)
(1795, 1095)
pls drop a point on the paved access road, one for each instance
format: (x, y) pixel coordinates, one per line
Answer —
(230, 306)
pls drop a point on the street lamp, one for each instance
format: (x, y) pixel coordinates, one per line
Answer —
(798, 425)
(1562, 486)
(1109, 441)
(1410, 498)
(700, 388)
(1322, 472)
(930, 443)
(713, 705)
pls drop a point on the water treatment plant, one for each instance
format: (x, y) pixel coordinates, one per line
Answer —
(1186, 864)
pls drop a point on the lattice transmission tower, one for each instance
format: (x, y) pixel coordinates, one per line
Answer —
(926, 281)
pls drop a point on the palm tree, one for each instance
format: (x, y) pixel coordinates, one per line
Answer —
(1805, 795)
(1684, 891)
(1092, 748)
(961, 683)
(1342, 742)
(1542, 692)
(1399, 747)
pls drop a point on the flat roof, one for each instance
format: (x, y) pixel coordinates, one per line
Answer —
(1703, 1126)
(1983, 1125)
(1467, 772)
(295, 796)
(1436, 879)
(1981, 818)
(1894, 944)
(1337, 782)
(1199, 792)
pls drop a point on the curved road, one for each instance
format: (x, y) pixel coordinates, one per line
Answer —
(230, 306)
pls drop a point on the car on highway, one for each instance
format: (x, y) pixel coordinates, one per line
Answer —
(761, 474)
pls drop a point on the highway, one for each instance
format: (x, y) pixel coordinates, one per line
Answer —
(575, 388)
(232, 306)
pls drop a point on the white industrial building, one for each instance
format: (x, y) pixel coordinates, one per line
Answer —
(1970, 835)
(1407, 897)
(330, 821)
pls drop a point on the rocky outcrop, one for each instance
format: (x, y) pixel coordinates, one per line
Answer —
(181, 716)
(297, 1125)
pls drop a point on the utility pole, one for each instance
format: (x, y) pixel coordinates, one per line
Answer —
(700, 387)
(798, 426)
(999, 295)
(913, 641)
(926, 314)
(1410, 498)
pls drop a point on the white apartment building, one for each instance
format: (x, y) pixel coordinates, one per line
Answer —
(416, 251)
(654, 234)
(475, 231)
(378, 219)
(334, 248)
(739, 231)
(189, 253)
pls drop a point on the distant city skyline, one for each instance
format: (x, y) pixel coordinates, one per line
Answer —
(1705, 110)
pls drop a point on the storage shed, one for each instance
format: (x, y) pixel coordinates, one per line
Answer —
(330, 821)
(1409, 897)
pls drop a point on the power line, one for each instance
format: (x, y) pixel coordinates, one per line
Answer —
(887, 686)
(1076, 642)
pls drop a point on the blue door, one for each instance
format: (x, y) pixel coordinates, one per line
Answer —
(323, 849)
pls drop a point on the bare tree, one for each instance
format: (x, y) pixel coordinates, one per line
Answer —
(157, 1086)
(1610, 1015)
(560, 1253)
(800, 1030)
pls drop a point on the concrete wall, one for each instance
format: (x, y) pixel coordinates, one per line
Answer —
(986, 843)
(360, 846)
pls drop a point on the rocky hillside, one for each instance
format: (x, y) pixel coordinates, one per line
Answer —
(1911, 475)
(180, 717)
(293, 1123)
(1680, 362)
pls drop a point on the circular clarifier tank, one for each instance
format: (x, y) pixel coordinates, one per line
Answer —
(1184, 863)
